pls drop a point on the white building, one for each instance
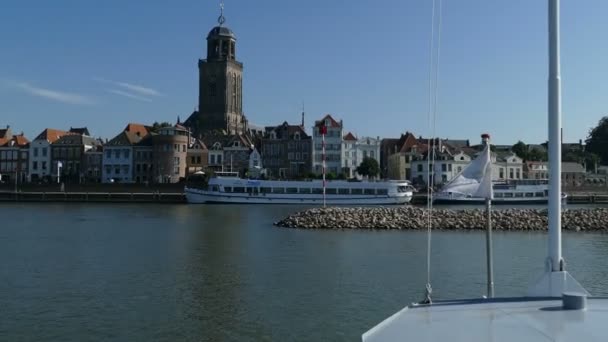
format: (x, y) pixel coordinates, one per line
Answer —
(117, 162)
(445, 167)
(333, 146)
(40, 155)
(505, 166)
(355, 150)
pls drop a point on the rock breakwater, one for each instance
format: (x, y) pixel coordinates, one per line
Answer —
(414, 218)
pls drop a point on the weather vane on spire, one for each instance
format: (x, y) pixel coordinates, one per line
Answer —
(221, 19)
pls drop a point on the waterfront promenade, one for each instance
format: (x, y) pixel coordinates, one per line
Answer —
(113, 193)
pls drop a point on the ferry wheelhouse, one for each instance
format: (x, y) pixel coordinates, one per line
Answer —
(522, 191)
(226, 189)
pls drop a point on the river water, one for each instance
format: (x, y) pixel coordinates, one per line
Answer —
(98, 272)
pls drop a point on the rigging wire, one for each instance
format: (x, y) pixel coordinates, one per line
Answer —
(431, 143)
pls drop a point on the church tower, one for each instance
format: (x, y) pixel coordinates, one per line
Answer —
(220, 97)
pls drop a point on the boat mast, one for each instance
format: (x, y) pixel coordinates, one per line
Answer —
(555, 148)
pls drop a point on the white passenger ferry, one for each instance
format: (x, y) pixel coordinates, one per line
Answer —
(523, 191)
(224, 189)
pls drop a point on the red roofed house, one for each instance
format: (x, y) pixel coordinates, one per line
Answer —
(40, 155)
(333, 145)
(13, 156)
(397, 155)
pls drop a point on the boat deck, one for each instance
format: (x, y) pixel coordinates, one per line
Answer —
(507, 319)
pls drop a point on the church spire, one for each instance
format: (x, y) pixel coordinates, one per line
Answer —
(221, 19)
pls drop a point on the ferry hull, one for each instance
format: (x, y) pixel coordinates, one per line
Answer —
(199, 196)
(494, 201)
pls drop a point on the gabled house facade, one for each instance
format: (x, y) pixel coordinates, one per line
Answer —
(68, 156)
(40, 167)
(286, 151)
(14, 156)
(197, 157)
(396, 156)
(355, 150)
(333, 145)
(118, 156)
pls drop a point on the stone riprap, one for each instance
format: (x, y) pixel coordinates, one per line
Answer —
(415, 218)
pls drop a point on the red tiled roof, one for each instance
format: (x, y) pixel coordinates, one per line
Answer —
(137, 129)
(20, 140)
(350, 136)
(332, 121)
(17, 140)
(51, 135)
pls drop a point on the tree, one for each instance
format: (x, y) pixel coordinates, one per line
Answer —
(156, 126)
(597, 140)
(521, 150)
(369, 167)
(537, 155)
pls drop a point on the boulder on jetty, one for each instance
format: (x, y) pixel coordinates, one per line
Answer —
(415, 218)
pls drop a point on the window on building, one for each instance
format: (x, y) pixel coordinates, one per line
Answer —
(35, 166)
(290, 155)
(44, 165)
(459, 169)
(219, 159)
(511, 173)
(501, 173)
(444, 167)
(450, 167)
(138, 167)
(517, 173)
(117, 169)
(44, 151)
(183, 148)
(193, 160)
(116, 154)
(126, 153)
(419, 167)
(372, 154)
(212, 159)
(35, 151)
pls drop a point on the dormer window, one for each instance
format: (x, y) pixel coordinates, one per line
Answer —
(217, 146)
(296, 136)
(273, 135)
(327, 122)
(236, 144)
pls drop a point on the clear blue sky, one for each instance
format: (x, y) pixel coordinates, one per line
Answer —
(103, 64)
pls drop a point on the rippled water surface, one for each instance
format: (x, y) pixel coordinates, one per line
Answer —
(225, 273)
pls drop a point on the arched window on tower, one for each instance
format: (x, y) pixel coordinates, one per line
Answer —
(238, 95)
(234, 92)
(225, 49)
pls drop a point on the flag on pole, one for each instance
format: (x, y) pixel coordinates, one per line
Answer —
(59, 164)
(475, 179)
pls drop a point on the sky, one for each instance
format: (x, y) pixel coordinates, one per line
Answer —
(70, 63)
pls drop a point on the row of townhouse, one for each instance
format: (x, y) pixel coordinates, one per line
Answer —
(343, 152)
(35, 161)
(407, 158)
(289, 152)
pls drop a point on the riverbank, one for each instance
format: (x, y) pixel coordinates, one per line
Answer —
(414, 218)
(93, 197)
